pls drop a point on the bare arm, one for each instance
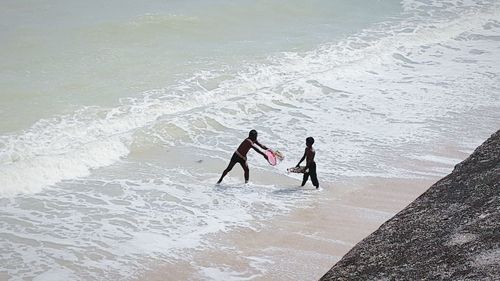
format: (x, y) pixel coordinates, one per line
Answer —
(302, 159)
(260, 152)
(261, 145)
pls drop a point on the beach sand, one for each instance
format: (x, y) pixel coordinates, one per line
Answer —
(302, 245)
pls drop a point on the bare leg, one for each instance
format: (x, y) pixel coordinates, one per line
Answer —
(246, 170)
(229, 168)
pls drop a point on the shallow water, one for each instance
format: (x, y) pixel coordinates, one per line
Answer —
(117, 119)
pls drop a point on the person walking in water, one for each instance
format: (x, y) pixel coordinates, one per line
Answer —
(240, 155)
(310, 169)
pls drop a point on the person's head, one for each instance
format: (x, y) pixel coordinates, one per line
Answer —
(309, 141)
(252, 135)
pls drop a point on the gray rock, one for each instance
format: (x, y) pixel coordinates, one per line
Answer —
(450, 232)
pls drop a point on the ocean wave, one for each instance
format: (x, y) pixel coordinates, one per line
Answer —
(72, 145)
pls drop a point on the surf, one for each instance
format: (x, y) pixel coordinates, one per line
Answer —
(76, 139)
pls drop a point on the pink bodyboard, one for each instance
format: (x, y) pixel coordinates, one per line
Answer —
(271, 157)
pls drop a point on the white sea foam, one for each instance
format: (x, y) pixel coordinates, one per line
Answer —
(212, 273)
(33, 173)
(101, 225)
(59, 274)
(94, 137)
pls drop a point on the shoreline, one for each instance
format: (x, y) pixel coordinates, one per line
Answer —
(302, 243)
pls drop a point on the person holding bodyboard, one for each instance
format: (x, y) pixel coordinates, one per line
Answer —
(310, 168)
(240, 155)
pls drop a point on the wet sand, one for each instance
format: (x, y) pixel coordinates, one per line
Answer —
(302, 245)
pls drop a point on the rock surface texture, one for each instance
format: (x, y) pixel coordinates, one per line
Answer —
(450, 232)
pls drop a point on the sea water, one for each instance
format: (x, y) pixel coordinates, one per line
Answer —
(117, 118)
